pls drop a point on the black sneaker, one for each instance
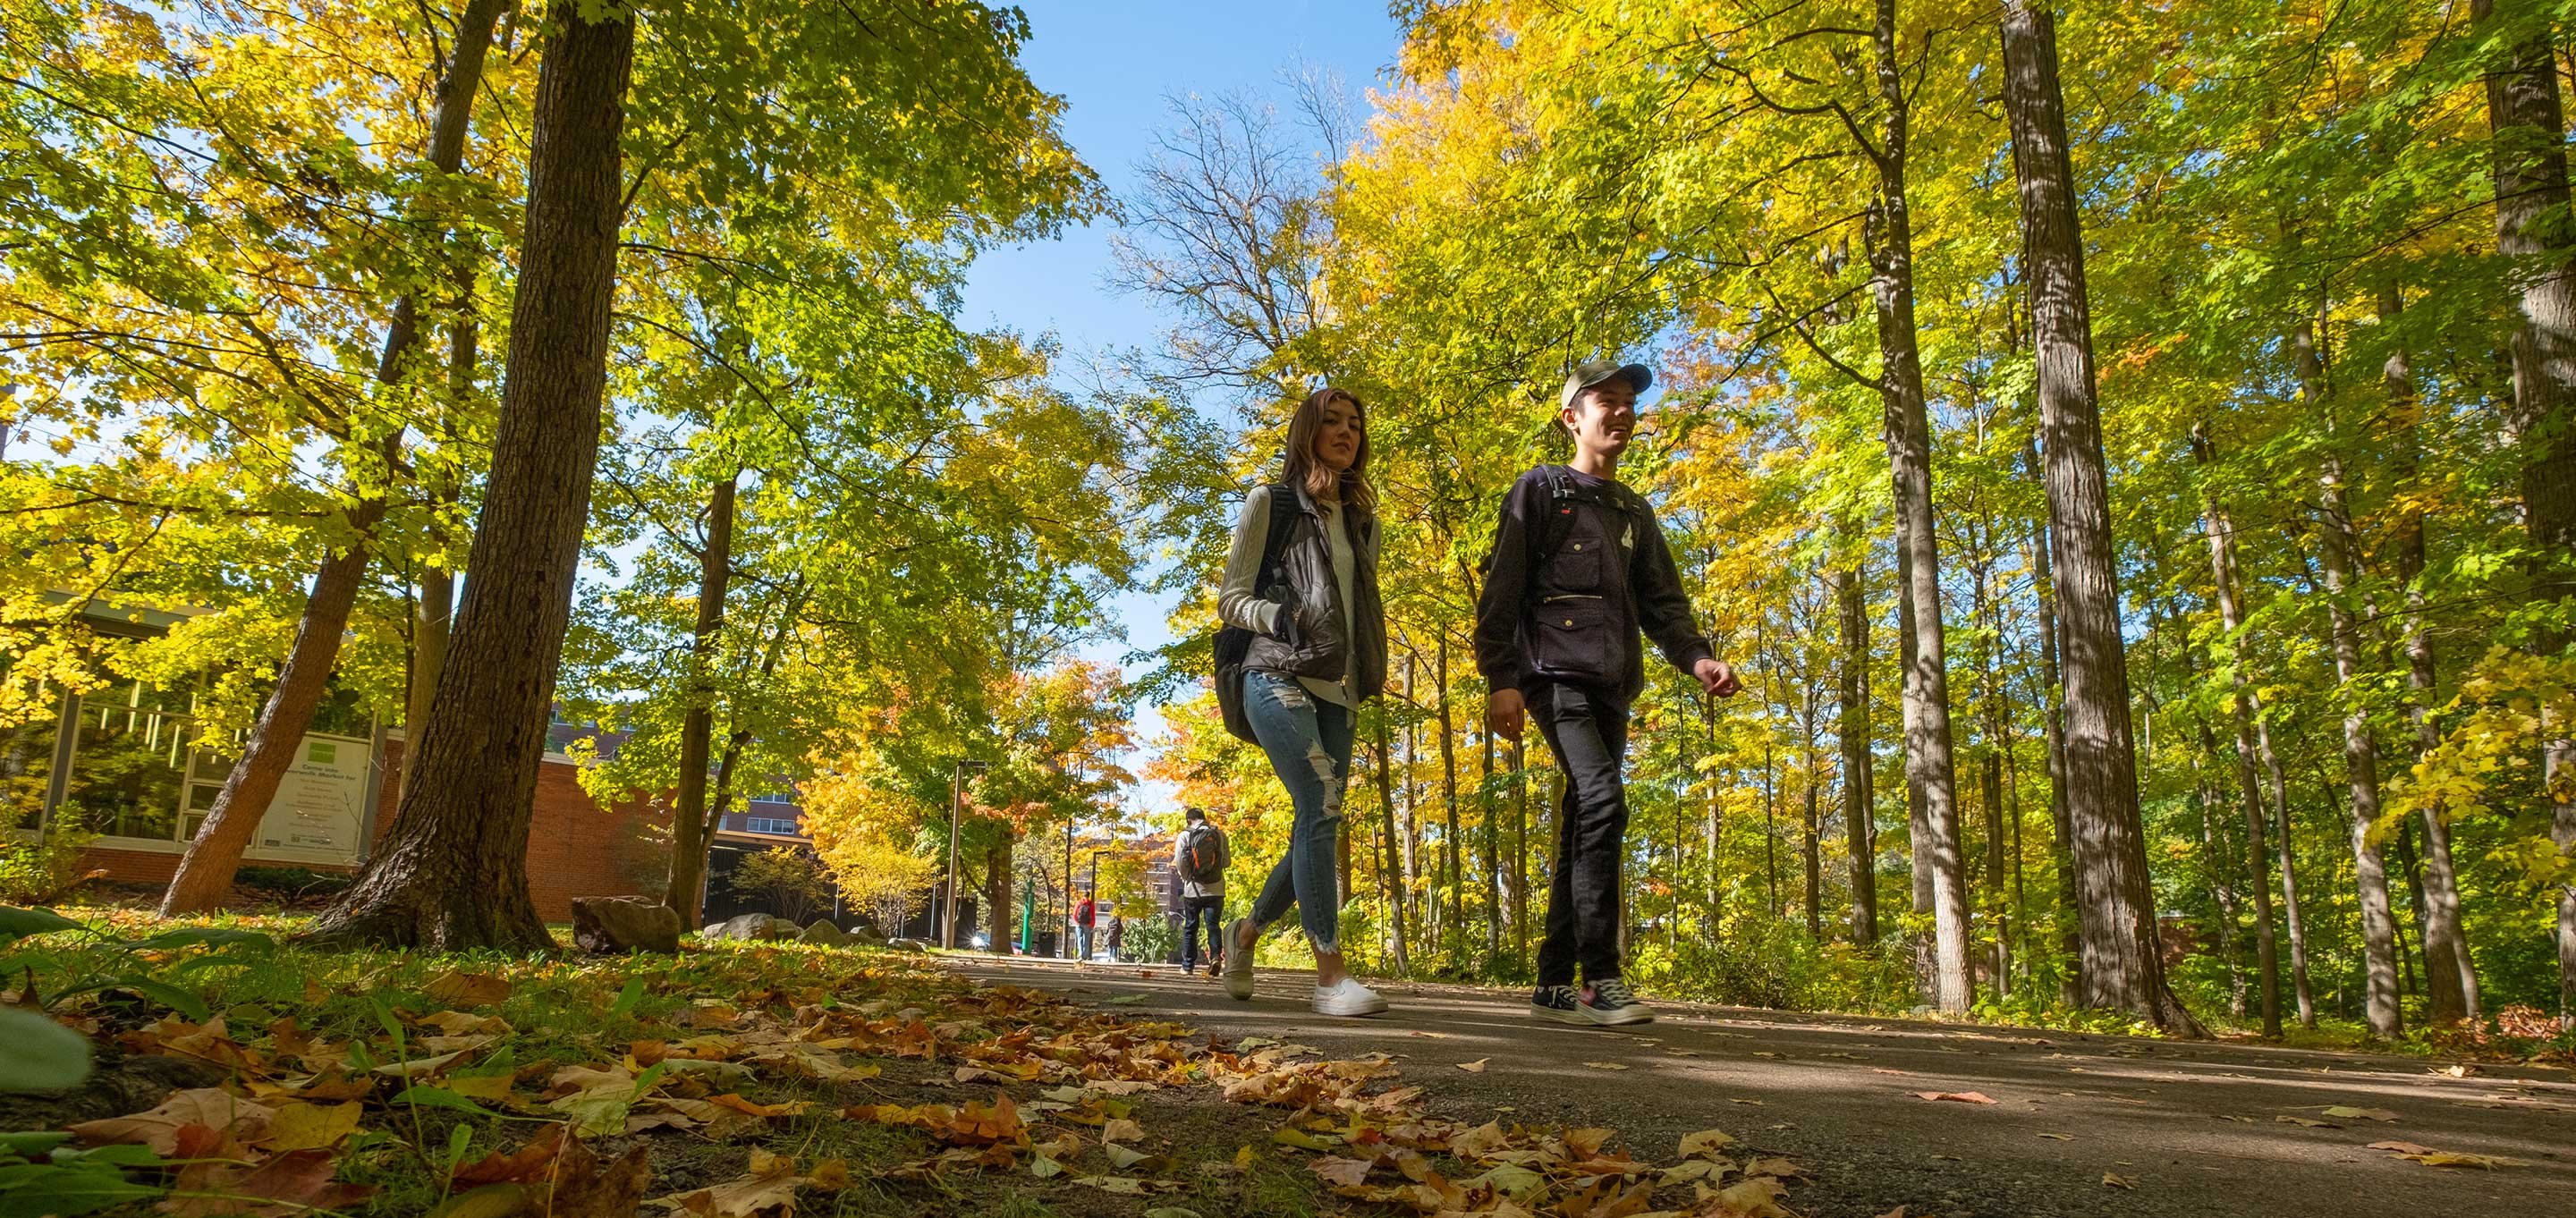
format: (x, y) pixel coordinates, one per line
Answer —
(1608, 1003)
(1556, 1002)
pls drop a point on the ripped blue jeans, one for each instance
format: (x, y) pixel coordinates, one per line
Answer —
(1309, 743)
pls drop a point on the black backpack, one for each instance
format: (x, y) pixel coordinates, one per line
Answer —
(1198, 856)
(1233, 643)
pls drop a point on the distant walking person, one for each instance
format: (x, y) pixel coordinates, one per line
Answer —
(1578, 567)
(1201, 854)
(1085, 916)
(1304, 645)
(1117, 938)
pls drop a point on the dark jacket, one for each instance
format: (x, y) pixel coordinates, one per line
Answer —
(1315, 630)
(1574, 616)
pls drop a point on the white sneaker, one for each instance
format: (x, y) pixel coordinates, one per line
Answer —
(1347, 997)
(1238, 961)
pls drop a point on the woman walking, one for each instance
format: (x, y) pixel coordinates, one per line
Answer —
(1302, 579)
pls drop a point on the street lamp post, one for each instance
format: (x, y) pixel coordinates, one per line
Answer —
(956, 815)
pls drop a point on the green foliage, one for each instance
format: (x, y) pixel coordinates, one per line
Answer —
(789, 880)
(67, 959)
(38, 870)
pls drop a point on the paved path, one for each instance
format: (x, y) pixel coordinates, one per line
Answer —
(2195, 1126)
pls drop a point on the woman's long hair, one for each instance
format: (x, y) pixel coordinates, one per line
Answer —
(1302, 469)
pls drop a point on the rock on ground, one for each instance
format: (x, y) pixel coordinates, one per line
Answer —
(617, 925)
(822, 932)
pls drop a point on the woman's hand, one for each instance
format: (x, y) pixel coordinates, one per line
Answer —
(1504, 713)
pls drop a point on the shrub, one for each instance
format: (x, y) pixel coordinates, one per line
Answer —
(43, 871)
(1152, 939)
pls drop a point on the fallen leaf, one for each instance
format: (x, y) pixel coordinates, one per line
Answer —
(2342, 1112)
(1341, 1172)
(310, 1126)
(1605, 1065)
(1755, 1198)
(457, 988)
(771, 1182)
(1705, 1143)
(1475, 1067)
(208, 1108)
(2058, 1137)
(1963, 1097)
(292, 1183)
(420, 1067)
(1120, 1129)
(2116, 1181)
(2445, 1158)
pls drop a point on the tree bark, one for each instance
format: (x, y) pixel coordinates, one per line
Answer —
(454, 875)
(2360, 752)
(1493, 867)
(1859, 797)
(1449, 838)
(1810, 847)
(697, 725)
(2122, 964)
(1928, 757)
(2532, 233)
(2222, 569)
(205, 873)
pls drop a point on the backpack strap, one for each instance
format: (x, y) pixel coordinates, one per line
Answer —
(1563, 494)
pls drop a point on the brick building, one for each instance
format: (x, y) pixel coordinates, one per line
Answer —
(119, 762)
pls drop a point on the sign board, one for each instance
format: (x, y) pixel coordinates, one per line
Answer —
(319, 814)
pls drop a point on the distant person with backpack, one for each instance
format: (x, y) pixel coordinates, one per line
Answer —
(1578, 568)
(1201, 854)
(1085, 916)
(1117, 937)
(1304, 645)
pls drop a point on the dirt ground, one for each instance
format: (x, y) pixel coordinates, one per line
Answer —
(2181, 1128)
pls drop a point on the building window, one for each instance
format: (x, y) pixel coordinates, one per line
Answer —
(774, 797)
(769, 824)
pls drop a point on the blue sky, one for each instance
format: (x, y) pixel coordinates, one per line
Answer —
(1116, 64)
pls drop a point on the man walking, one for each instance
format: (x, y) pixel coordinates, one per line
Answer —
(1579, 567)
(1200, 854)
(1085, 915)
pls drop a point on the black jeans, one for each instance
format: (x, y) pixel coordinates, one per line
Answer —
(1588, 730)
(1210, 909)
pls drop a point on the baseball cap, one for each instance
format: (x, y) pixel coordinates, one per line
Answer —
(1593, 372)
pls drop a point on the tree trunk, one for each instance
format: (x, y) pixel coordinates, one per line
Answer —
(1811, 849)
(1990, 765)
(697, 725)
(1520, 855)
(1858, 796)
(1388, 877)
(2122, 965)
(455, 875)
(1909, 445)
(205, 873)
(2293, 912)
(2450, 975)
(1449, 842)
(2360, 752)
(2222, 570)
(2531, 232)
(997, 898)
(2070, 942)
(1493, 867)
(2217, 850)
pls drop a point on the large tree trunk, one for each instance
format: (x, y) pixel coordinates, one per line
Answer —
(1909, 444)
(688, 869)
(2360, 751)
(206, 871)
(2222, 569)
(455, 875)
(2531, 232)
(2122, 967)
(1859, 799)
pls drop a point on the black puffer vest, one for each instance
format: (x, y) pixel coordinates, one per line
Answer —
(1317, 634)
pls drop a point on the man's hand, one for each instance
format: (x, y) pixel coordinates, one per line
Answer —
(1717, 677)
(1503, 712)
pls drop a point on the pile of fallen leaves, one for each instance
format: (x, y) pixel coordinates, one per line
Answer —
(734, 1081)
